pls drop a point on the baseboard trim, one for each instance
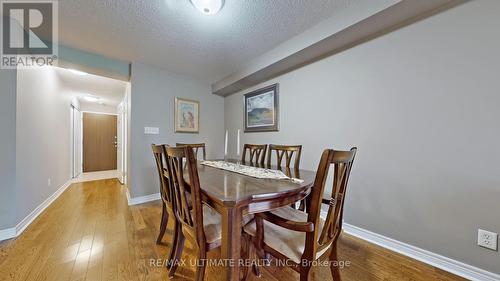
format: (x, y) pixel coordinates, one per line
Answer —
(20, 227)
(7, 233)
(14, 232)
(456, 267)
(142, 199)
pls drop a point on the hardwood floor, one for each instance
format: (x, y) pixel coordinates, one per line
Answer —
(90, 233)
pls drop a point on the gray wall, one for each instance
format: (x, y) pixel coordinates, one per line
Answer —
(43, 138)
(7, 147)
(422, 106)
(152, 105)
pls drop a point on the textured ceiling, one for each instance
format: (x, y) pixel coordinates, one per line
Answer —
(173, 35)
(110, 91)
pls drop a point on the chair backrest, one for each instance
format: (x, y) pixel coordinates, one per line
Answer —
(196, 147)
(160, 155)
(342, 163)
(190, 218)
(285, 150)
(256, 152)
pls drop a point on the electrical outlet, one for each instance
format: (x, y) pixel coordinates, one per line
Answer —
(487, 239)
(49, 182)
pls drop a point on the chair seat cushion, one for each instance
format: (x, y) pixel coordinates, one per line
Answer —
(212, 223)
(289, 243)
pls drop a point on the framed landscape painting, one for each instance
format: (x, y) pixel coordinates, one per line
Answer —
(187, 116)
(262, 110)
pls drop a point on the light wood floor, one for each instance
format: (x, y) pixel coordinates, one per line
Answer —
(90, 233)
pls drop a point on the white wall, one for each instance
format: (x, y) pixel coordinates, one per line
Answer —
(152, 105)
(43, 138)
(422, 105)
(7, 147)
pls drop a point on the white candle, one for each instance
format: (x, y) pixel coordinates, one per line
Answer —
(238, 148)
(225, 146)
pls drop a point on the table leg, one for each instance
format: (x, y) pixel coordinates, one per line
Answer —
(231, 239)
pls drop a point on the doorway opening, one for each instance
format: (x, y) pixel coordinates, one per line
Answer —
(98, 125)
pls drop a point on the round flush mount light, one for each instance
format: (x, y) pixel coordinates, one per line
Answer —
(208, 7)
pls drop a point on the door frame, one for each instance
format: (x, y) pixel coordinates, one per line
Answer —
(123, 110)
(123, 114)
(75, 110)
(122, 142)
(96, 112)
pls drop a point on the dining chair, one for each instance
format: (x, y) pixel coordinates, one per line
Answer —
(196, 147)
(288, 152)
(256, 153)
(198, 222)
(303, 237)
(159, 152)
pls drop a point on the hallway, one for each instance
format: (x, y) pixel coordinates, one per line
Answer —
(90, 233)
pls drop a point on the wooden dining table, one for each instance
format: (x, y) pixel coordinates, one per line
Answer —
(234, 195)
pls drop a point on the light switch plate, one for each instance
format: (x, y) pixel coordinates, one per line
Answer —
(151, 130)
(487, 239)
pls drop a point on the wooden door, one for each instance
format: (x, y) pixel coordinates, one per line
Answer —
(99, 142)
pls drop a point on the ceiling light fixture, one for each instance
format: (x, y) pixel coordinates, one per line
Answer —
(78, 72)
(208, 7)
(91, 98)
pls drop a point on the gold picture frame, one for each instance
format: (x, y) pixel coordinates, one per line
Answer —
(187, 116)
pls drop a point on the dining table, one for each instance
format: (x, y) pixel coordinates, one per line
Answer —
(235, 195)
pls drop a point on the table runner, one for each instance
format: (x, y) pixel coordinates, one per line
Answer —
(251, 171)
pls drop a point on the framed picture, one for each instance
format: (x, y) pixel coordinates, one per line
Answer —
(262, 110)
(187, 116)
